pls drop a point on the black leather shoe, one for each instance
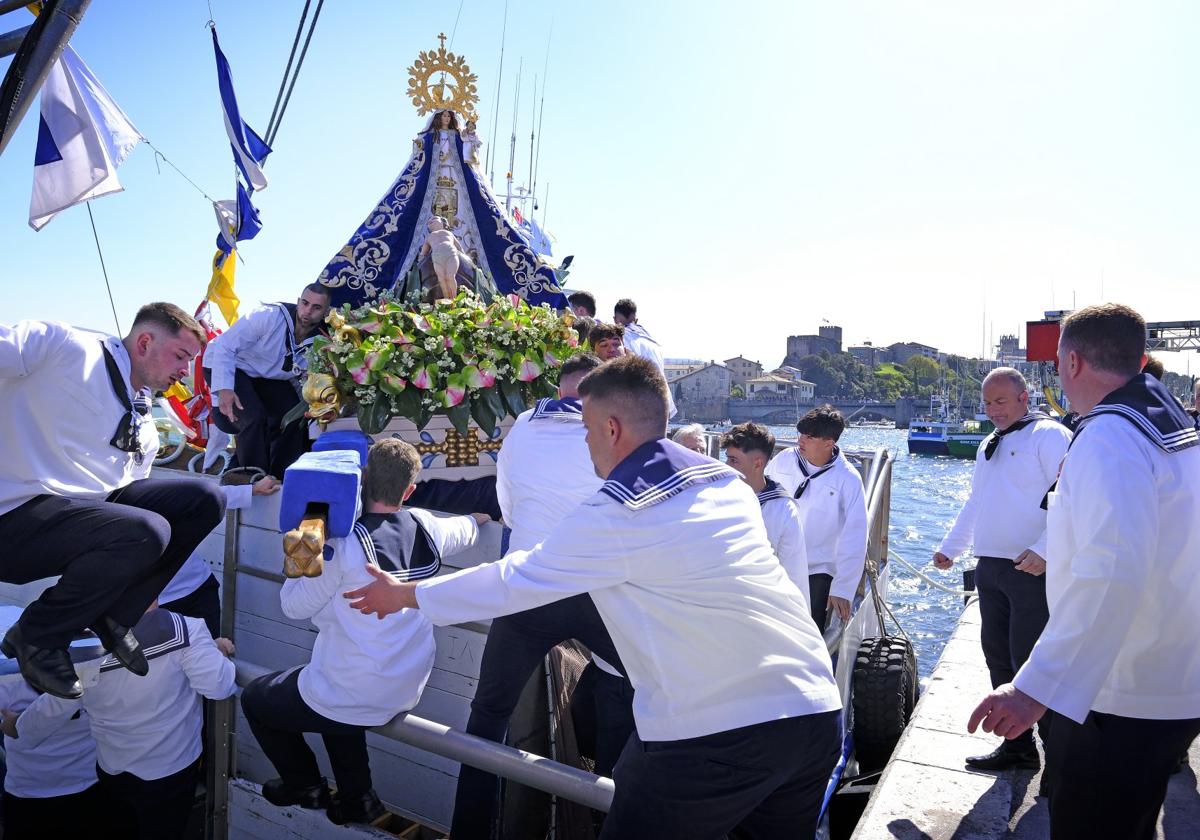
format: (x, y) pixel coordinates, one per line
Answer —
(46, 669)
(362, 809)
(278, 792)
(1005, 757)
(122, 644)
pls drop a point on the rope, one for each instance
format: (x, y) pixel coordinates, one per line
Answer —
(454, 31)
(167, 161)
(103, 270)
(927, 578)
(288, 69)
(307, 40)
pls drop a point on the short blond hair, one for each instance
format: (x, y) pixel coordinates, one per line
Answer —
(392, 467)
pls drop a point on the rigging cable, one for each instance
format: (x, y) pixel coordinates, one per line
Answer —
(491, 155)
(288, 69)
(541, 114)
(270, 139)
(103, 269)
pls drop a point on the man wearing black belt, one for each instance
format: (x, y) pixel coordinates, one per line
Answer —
(256, 369)
(1014, 467)
(76, 499)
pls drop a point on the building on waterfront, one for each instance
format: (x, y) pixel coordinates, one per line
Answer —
(789, 372)
(1010, 350)
(777, 387)
(675, 368)
(703, 394)
(828, 339)
(870, 355)
(902, 351)
(742, 369)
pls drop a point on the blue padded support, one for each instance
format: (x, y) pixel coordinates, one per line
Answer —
(344, 439)
(333, 478)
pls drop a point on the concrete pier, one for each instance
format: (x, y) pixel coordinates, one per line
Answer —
(928, 793)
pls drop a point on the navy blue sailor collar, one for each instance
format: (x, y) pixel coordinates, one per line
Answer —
(565, 410)
(658, 470)
(160, 632)
(1150, 407)
(772, 491)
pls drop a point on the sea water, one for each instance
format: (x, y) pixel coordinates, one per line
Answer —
(927, 493)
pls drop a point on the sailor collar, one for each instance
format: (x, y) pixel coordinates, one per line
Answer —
(566, 410)
(772, 491)
(1149, 406)
(658, 470)
(160, 632)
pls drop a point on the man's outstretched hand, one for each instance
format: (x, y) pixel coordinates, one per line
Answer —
(1007, 712)
(384, 596)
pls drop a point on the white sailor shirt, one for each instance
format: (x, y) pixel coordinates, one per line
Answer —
(833, 509)
(1003, 516)
(59, 412)
(712, 632)
(261, 344)
(63, 764)
(148, 726)
(364, 670)
(638, 342)
(1121, 580)
(785, 531)
(196, 570)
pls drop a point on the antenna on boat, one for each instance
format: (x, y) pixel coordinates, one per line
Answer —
(491, 155)
(541, 114)
(532, 120)
(512, 143)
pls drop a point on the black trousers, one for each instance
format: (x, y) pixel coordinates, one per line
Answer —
(1107, 777)
(148, 809)
(203, 603)
(1013, 612)
(818, 598)
(260, 442)
(279, 717)
(516, 645)
(115, 555)
(52, 817)
(764, 782)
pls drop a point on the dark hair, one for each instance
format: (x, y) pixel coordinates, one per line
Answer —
(1155, 368)
(601, 332)
(637, 389)
(580, 362)
(626, 308)
(824, 421)
(319, 288)
(583, 328)
(750, 437)
(169, 317)
(1111, 336)
(392, 466)
(584, 299)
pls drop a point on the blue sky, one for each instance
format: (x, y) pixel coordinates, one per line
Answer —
(934, 171)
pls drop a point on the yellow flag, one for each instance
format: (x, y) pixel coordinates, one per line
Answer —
(220, 288)
(178, 390)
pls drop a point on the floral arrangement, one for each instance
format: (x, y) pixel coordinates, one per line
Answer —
(459, 357)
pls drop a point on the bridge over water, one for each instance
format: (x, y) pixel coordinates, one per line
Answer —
(785, 412)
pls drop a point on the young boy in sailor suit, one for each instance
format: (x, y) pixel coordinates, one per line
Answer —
(147, 729)
(748, 447)
(363, 672)
(829, 493)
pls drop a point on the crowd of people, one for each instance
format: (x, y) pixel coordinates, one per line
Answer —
(700, 586)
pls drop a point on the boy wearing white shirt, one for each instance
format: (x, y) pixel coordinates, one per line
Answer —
(147, 730)
(362, 672)
(829, 493)
(748, 447)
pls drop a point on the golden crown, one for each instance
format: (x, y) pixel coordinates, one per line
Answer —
(441, 81)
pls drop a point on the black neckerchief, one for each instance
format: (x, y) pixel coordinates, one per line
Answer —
(993, 440)
(293, 349)
(820, 471)
(126, 438)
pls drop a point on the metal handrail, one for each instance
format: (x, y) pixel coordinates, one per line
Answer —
(587, 789)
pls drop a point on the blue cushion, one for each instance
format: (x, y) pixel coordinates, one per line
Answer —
(332, 477)
(344, 439)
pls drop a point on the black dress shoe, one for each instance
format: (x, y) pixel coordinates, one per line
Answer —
(1005, 757)
(46, 669)
(122, 644)
(361, 809)
(278, 792)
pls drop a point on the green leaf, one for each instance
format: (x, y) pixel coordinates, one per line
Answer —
(512, 396)
(483, 415)
(495, 402)
(292, 416)
(424, 415)
(373, 418)
(460, 416)
(407, 404)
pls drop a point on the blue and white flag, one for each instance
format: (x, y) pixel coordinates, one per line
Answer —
(249, 150)
(83, 136)
(539, 241)
(238, 220)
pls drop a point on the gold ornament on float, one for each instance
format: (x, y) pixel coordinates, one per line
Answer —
(441, 81)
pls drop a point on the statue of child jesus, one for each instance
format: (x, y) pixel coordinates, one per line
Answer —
(445, 250)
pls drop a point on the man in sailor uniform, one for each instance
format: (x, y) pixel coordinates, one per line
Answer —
(76, 497)
(362, 672)
(256, 369)
(829, 492)
(638, 341)
(147, 730)
(543, 474)
(748, 447)
(1004, 520)
(1117, 665)
(736, 708)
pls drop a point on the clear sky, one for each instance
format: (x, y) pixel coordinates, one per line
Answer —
(935, 171)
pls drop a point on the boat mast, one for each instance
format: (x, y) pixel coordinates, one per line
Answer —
(490, 163)
(512, 143)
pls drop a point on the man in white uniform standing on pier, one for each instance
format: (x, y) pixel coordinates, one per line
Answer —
(1118, 664)
(735, 703)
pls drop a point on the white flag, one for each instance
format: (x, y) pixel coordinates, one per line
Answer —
(82, 139)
